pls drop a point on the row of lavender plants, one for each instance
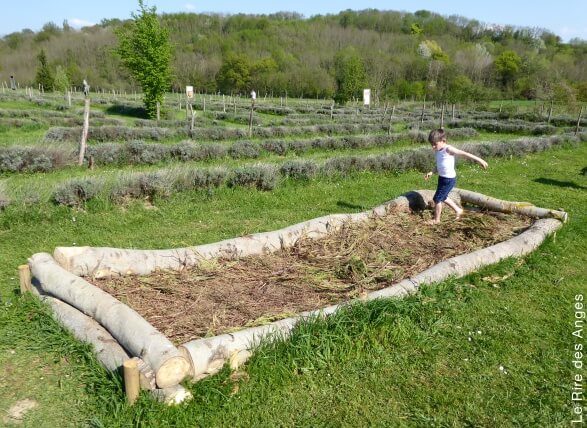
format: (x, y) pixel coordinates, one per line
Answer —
(44, 159)
(114, 133)
(163, 183)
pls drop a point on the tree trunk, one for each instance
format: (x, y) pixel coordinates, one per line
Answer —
(110, 354)
(525, 208)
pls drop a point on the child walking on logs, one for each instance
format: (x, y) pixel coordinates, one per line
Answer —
(447, 175)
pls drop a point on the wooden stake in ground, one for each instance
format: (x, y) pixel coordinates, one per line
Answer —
(423, 110)
(579, 121)
(442, 117)
(82, 143)
(24, 273)
(251, 113)
(131, 380)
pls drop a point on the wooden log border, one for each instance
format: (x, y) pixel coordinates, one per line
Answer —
(206, 356)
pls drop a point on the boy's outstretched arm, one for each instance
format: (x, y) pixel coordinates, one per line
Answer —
(457, 152)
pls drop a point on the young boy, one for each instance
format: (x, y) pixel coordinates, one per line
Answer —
(447, 175)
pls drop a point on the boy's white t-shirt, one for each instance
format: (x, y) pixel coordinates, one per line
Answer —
(445, 163)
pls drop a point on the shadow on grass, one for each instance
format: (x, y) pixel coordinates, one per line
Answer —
(126, 110)
(344, 204)
(559, 183)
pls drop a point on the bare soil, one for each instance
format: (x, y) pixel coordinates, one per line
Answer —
(221, 295)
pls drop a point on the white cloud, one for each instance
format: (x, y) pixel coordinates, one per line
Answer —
(189, 6)
(79, 23)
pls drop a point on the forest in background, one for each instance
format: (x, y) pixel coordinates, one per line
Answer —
(398, 55)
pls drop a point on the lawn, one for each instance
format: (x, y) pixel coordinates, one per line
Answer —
(491, 349)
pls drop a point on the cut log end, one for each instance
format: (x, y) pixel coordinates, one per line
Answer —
(172, 372)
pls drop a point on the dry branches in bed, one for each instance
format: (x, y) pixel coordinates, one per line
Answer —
(221, 295)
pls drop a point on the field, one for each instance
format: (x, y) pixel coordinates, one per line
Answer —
(492, 349)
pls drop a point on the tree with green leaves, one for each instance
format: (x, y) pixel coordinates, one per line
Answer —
(144, 48)
(61, 81)
(350, 75)
(508, 66)
(235, 74)
(44, 74)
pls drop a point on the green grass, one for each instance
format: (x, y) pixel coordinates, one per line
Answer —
(420, 361)
(388, 363)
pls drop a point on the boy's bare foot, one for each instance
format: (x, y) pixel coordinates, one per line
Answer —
(433, 222)
(460, 213)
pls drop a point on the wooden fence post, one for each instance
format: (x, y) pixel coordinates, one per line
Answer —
(423, 109)
(579, 121)
(390, 120)
(82, 143)
(442, 116)
(193, 120)
(251, 117)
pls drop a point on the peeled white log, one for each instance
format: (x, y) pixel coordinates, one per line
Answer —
(208, 355)
(107, 350)
(110, 354)
(101, 262)
(133, 332)
(499, 205)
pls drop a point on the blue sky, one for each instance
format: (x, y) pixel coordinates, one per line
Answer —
(566, 18)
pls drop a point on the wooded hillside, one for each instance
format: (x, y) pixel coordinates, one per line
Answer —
(398, 55)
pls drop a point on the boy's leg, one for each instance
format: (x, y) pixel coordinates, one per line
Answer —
(437, 212)
(454, 206)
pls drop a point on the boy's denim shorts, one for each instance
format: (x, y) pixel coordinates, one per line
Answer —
(445, 185)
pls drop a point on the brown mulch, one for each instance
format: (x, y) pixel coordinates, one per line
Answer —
(224, 295)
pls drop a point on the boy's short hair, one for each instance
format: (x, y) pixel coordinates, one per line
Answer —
(436, 135)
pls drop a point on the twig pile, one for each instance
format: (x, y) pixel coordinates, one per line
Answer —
(225, 295)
